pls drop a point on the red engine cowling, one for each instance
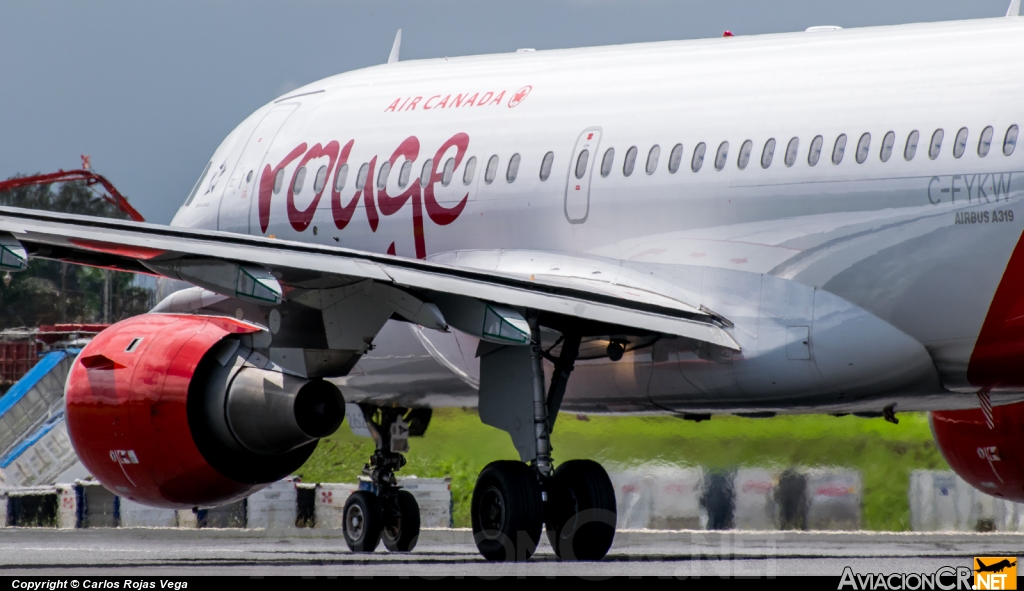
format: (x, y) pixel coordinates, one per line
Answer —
(170, 410)
(989, 459)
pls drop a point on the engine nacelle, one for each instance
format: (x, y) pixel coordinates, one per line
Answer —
(989, 459)
(176, 411)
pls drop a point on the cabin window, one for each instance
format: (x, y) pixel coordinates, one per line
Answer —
(492, 169)
(863, 146)
(382, 175)
(652, 159)
(278, 181)
(467, 175)
(607, 162)
(340, 177)
(1010, 141)
(722, 155)
(248, 177)
(911, 150)
(791, 149)
(698, 157)
(815, 152)
(513, 168)
(202, 177)
(935, 147)
(629, 162)
(403, 174)
(744, 158)
(985, 143)
(300, 178)
(449, 171)
(425, 172)
(768, 154)
(839, 149)
(320, 180)
(960, 143)
(675, 158)
(364, 170)
(887, 143)
(581, 163)
(545, 165)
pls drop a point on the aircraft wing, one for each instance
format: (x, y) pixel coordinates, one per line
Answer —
(268, 271)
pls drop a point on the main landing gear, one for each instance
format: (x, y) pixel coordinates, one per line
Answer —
(381, 510)
(513, 501)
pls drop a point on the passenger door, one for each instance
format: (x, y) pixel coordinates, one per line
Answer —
(240, 192)
(581, 166)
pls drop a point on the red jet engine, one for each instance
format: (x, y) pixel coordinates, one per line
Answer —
(990, 459)
(176, 411)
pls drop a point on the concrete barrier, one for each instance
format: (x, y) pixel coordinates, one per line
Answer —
(284, 505)
(274, 507)
(755, 506)
(329, 503)
(942, 501)
(68, 514)
(232, 515)
(666, 497)
(97, 506)
(31, 507)
(834, 499)
(659, 497)
(138, 515)
(434, 496)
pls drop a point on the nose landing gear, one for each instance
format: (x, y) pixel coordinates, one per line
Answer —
(381, 510)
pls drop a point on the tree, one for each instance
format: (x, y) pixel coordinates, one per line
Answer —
(51, 292)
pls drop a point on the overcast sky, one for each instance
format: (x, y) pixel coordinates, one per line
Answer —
(149, 89)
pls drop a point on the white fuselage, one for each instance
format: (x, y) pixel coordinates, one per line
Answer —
(851, 284)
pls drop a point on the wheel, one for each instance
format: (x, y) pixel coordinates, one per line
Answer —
(402, 530)
(507, 511)
(581, 524)
(364, 520)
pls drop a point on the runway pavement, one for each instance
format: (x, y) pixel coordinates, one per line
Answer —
(167, 552)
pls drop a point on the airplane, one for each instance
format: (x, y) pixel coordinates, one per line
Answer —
(995, 567)
(825, 221)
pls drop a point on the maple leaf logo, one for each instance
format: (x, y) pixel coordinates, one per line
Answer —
(519, 96)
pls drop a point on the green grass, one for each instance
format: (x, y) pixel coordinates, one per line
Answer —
(457, 444)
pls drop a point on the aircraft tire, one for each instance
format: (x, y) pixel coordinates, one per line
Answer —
(364, 521)
(402, 534)
(582, 511)
(507, 512)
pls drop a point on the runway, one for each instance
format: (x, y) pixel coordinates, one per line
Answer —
(440, 553)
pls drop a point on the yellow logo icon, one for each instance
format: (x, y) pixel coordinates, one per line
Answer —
(995, 572)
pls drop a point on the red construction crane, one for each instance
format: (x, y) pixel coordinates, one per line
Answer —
(91, 178)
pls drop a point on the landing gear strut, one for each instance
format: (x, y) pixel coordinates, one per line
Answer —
(513, 501)
(381, 510)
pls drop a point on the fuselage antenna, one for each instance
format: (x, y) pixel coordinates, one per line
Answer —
(398, 44)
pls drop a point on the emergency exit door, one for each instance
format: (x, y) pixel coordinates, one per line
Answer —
(581, 168)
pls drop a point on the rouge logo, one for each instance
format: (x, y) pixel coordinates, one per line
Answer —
(519, 96)
(376, 203)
